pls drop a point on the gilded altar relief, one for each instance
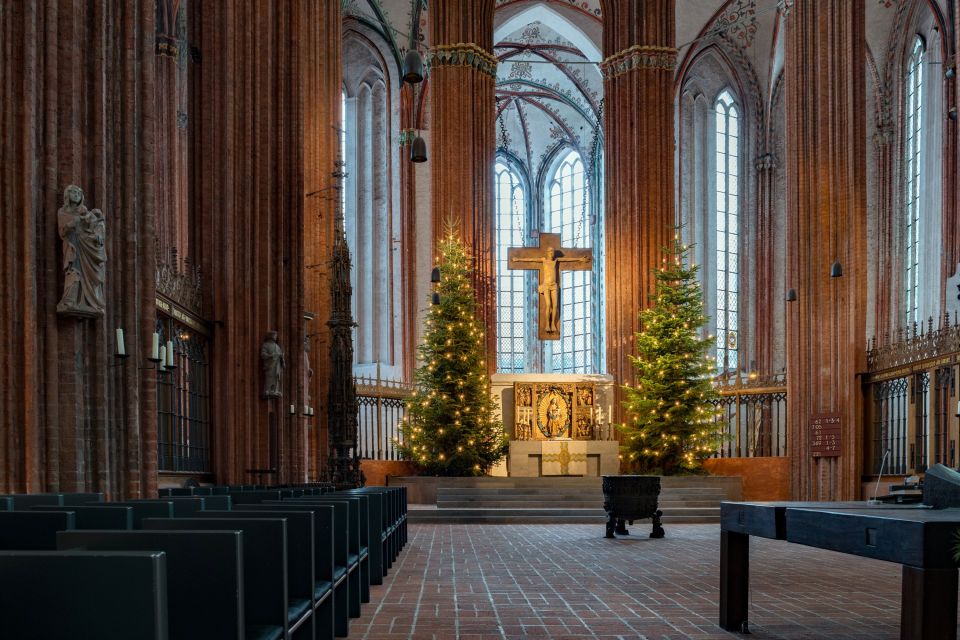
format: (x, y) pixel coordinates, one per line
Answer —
(554, 411)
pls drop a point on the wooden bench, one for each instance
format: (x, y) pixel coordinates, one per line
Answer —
(204, 575)
(346, 595)
(64, 595)
(146, 509)
(379, 532)
(328, 622)
(300, 564)
(33, 530)
(20, 501)
(358, 552)
(90, 517)
(264, 568)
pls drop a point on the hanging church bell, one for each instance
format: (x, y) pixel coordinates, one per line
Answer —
(413, 67)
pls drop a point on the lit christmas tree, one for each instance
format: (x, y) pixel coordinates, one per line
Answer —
(451, 426)
(670, 422)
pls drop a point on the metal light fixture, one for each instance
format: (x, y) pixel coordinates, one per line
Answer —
(436, 298)
(836, 270)
(435, 275)
(418, 150)
(413, 67)
(952, 114)
(791, 295)
(950, 72)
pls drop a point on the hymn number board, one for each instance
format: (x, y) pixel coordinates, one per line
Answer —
(825, 435)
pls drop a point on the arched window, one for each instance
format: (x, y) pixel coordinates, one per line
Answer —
(913, 174)
(511, 231)
(728, 248)
(568, 214)
(371, 206)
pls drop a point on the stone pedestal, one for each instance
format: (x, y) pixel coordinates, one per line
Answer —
(532, 458)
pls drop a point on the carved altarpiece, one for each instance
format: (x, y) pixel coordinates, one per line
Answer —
(555, 410)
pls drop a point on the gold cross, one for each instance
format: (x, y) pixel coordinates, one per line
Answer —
(564, 458)
(549, 258)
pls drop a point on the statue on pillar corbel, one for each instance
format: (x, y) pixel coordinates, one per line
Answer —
(83, 233)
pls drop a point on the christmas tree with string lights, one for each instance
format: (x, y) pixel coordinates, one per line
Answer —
(451, 425)
(670, 413)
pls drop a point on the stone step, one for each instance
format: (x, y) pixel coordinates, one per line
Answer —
(449, 492)
(526, 502)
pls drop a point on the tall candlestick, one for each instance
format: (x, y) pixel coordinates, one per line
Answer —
(162, 356)
(121, 347)
(155, 348)
(168, 362)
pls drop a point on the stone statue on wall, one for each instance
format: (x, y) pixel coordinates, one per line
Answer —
(83, 234)
(271, 357)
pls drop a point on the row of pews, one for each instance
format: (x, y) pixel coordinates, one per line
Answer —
(237, 562)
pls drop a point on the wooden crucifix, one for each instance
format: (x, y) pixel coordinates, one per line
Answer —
(549, 258)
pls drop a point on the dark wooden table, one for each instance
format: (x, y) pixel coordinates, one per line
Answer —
(920, 539)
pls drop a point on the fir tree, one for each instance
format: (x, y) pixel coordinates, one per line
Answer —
(670, 422)
(451, 427)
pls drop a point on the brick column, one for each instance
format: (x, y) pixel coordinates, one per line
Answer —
(321, 45)
(640, 56)
(462, 149)
(826, 220)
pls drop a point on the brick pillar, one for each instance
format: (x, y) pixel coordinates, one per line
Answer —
(462, 149)
(78, 108)
(250, 138)
(639, 43)
(826, 220)
(770, 301)
(322, 75)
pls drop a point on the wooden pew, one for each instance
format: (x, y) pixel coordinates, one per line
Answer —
(26, 500)
(358, 555)
(90, 517)
(204, 575)
(64, 595)
(328, 622)
(377, 531)
(6, 503)
(80, 499)
(346, 594)
(264, 568)
(33, 530)
(300, 564)
(146, 509)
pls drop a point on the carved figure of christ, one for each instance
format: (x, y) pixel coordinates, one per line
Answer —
(549, 258)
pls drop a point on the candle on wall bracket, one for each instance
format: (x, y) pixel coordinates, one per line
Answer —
(155, 348)
(121, 351)
(170, 362)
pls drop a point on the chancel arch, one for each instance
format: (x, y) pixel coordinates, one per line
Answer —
(549, 101)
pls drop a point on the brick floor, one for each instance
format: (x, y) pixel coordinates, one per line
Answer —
(476, 582)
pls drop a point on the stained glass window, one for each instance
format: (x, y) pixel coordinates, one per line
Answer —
(568, 214)
(913, 168)
(728, 227)
(511, 226)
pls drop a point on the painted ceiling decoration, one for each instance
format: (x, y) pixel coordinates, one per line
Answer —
(548, 89)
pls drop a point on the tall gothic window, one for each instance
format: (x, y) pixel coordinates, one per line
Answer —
(567, 213)
(371, 207)
(913, 172)
(511, 230)
(728, 249)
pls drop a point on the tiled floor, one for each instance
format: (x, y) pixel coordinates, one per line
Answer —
(566, 581)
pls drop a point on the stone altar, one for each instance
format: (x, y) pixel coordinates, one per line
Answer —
(558, 424)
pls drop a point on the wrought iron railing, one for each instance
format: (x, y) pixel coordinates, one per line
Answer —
(381, 408)
(910, 399)
(752, 416)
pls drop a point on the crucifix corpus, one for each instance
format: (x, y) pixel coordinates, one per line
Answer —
(549, 258)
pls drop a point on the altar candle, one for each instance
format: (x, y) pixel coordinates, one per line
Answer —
(155, 349)
(121, 348)
(169, 361)
(162, 357)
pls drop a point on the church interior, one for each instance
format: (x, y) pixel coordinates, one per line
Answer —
(480, 319)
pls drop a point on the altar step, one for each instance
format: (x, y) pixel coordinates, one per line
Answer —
(561, 503)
